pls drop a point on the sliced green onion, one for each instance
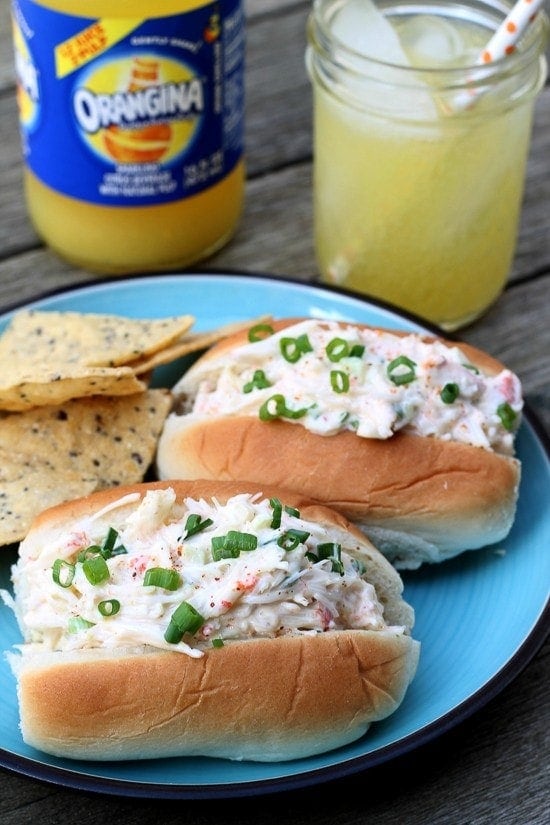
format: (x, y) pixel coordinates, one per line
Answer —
(449, 393)
(259, 332)
(78, 623)
(259, 382)
(292, 511)
(233, 544)
(396, 373)
(292, 349)
(333, 551)
(357, 351)
(277, 508)
(339, 381)
(184, 619)
(328, 549)
(89, 552)
(275, 407)
(337, 349)
(95, 569)
(194, 525)
(162, 577)
(217, 642)
(173, 634)
(290, 539)
(359, 566)
(222, 551)
(472, 368)
(109, 607)
(507, 416)
(63, 572)
(109, 543)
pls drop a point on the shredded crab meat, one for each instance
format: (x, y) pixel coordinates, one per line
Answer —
(363, 397)
(272, 590)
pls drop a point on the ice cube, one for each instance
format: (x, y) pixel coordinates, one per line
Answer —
(431, 42)
(361, 26)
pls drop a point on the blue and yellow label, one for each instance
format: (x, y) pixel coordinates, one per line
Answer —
(130, 112)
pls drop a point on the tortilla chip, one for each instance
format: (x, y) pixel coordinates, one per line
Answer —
(28, 485)
(193, 342)
(56, 453)
(25, 390)
(35, 337)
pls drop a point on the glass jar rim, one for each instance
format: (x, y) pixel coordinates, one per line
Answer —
(322, 41)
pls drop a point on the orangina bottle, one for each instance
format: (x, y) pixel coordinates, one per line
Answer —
(131, 119)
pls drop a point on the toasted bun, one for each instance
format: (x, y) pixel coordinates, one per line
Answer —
(419, 499)
(266, 699)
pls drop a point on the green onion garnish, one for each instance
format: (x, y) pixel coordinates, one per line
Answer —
(277, 508)
(173, 634)
(184, 619)
(358, 566)
(339, 381)
(109, 607)
(449, 393)
(333, 551)
(292, 349)
(292, 511)
(63, 572)
(259, 382)
(89, 552)
(275, 407)
(507, 416)
(162, 577)
(95, 569)
(109, 543)
(78, 623)
(217, 642)
(290, 539)
(259, 332)
(399, 376)
(337, 349)
(233, 544)
(194, 525)
(220, 550)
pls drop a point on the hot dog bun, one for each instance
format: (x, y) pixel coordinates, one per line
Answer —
(420, 498)
(267, 698)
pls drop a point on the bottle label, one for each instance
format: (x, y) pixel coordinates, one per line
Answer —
(123, 112)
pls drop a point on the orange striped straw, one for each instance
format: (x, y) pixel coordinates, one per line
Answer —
(504, 40)
(502, 43)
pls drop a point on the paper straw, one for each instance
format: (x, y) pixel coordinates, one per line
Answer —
(504, 40)
(502, 43)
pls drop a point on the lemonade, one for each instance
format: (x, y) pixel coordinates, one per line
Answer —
(132, 125)
(416, 202)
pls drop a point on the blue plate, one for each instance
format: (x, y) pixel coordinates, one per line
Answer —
(480, 617)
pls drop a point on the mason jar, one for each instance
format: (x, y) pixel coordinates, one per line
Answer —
(420, 150)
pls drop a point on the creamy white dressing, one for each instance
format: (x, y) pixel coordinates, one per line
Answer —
(265, 592)
(364, 399)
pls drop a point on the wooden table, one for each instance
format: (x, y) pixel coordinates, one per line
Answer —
(492, 767)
